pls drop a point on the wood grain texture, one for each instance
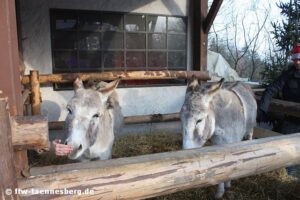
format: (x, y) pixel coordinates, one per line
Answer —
(157, 174)
(107, 76)
(30, 132)
(8, 178)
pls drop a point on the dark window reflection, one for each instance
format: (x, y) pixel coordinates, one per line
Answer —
(177, 60)
(89, 60)
(135, 22)
(112, 22)
(65, 21)
(157, 24)
(176, 42)
(176, 24)
(157, 41)
(89, 41)
(113, 40)
(157, 59)
(65, 59)
(113, 59)
(135, 59)
(135, 40)
(65, 40)
(89, 22)
(97, 41)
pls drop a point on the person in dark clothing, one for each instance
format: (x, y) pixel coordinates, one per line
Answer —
(288, 84)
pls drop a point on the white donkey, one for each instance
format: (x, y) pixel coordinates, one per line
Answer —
(94, 115)
(223, 114)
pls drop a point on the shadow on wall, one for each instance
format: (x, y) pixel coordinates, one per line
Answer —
(51, 109)
(173, 7)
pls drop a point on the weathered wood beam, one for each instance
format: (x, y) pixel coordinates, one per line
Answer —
(106, 76)
(8, 178)
(35, 93)
(157, 174)
(212, 13)
(199, 39)
(285, 107)
(30, 132)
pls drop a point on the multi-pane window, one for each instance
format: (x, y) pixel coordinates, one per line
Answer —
(88, 41)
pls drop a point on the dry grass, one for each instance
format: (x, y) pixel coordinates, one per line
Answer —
(270, 186)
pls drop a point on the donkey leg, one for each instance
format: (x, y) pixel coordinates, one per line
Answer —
(249, 135)
(220, 191)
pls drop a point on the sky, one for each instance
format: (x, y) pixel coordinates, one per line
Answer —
(252, 13)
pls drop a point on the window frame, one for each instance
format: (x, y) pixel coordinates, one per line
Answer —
(54, 12)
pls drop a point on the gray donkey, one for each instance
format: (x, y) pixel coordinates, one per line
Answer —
(223, 113)
(94, 117)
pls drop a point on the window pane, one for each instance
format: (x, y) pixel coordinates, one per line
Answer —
(89, 41)
(176, 24)
(112, 22)
(113, 40)
(65, 59)
(135, 40)
(176, 42)
(113, 59)
(157, 41)
(157, 24)
(177, 60)
(135, 23)
(89, 60)
(135, 59)
(89, 22)
(65, 40)
(157, 59)
(65, 21)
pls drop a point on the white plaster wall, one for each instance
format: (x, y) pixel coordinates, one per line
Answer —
(134, 101)
(35, 33)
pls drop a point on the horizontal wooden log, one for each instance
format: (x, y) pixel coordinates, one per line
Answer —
(106, 76)
(151, 118)
(284, 107)
(30, 132)
(157, 174)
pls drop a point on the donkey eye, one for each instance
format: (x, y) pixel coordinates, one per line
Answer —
(95, 115)
(198, 121)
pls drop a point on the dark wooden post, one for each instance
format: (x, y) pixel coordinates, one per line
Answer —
(35, 93)
(199, 9)
(10, 82)
(8, 180)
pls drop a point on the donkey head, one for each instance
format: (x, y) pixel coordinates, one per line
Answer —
(86, 109)
(196, 116)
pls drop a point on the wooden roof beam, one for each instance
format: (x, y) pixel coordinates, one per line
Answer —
(211, 15)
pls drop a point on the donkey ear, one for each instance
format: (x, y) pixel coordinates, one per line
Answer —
(78, 84)
(193, 84)
(110, 87)
(215, 87)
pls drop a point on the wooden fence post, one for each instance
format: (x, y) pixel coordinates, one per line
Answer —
(8, 180)
(35, 93)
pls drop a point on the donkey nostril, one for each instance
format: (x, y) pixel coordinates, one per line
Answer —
(80, 147)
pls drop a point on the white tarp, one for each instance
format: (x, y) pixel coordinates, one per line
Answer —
(218, 68)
